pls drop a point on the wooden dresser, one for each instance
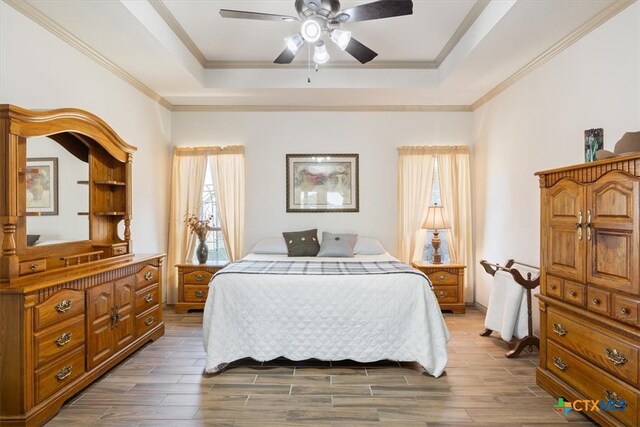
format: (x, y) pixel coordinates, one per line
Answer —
(448, 284)
(193, 285)
(590, 286)
(70, 309)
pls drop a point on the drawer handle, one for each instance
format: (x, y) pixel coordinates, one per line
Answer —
(615, 356)
(624, 311)
(64, 305)
(148, 321)
(559, 329)
(573, 293)
(148, 298)
(63, 339)
(553, 287)
(64, 372)
(441, 294)
(34, 267)
(148, 276)
(441, 278)
(560, 364)
(199, 294)
(613, 397)
(596, 301)
(199, 277)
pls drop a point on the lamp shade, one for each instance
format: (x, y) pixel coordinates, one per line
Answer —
(436, 218)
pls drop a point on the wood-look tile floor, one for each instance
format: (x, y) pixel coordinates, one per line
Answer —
(163, 385)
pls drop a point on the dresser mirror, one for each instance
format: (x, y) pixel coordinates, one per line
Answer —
(57, 192)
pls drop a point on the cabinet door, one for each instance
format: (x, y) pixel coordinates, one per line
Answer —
(612, 248)
(563, 210)
(100, 343)
(124, 305)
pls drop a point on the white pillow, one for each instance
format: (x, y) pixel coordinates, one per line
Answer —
(272, 245)
(368, 246)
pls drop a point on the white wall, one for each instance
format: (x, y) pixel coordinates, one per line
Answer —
(40, 71)
(268, 137)
(538, 124)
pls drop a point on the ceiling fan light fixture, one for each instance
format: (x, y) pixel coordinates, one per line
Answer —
(320, 54)
(341, 38)
(294, 42)
(311, 30)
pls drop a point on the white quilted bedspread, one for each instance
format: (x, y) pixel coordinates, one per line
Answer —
(359, 317)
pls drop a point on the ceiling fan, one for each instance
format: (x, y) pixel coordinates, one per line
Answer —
(320, 17)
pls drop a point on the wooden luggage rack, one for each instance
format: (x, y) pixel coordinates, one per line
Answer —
(530, 340)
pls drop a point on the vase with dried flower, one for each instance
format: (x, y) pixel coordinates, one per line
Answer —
(200, 227)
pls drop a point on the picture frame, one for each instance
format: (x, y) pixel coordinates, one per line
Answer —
(322, 183)
(41, 182)
(593, 141)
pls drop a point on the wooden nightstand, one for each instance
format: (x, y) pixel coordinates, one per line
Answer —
(193, 285)
(448, 284)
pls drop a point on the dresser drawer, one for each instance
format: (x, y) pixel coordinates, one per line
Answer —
(148, 320)
(147, 297)
(575, 293)
(599, 346)
(60, 306)
(119, 250)
(598, 301)
(625, 309)
(195, 293)
(592, 382)
(147, 276)
(58, 374)
(59, 339)
(198, 277)
(446, 294)
(442, 278)
(555, 287)
(34, 266)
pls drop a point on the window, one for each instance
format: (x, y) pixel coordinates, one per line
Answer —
(209, 209)
(427, 254)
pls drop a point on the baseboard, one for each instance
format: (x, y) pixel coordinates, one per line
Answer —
(480, 307)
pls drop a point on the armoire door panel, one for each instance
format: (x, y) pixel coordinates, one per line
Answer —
(566, 239)
(100, 344)
(612, 251)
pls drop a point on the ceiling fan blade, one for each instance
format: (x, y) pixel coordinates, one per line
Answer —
(360, 51)
(378, 10)
(241, 14)
(285, 57)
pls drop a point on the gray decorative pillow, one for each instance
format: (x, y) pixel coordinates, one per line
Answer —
(337, 245)
(302, 243)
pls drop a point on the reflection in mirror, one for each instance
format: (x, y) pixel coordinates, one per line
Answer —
(57, 192)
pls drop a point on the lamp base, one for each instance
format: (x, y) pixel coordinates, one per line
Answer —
(435, 242)
(437, 259)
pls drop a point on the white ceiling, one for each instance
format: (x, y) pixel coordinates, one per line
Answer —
(449, 54)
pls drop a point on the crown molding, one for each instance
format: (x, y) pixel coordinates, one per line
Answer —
(464, 26)
(178, 30)
(599, 19)
(415, 65)
(321, 108)
(47, 23)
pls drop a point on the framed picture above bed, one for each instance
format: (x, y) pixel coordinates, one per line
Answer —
(41, 176)
(322, 183)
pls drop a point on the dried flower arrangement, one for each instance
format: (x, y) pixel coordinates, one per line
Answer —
(198, 226)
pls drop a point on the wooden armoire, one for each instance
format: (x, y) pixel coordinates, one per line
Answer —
(590, 286)
(70, 310)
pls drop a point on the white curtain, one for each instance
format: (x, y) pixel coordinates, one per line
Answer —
(227, 170)
(187, 180)
(455, 193)
(415, 182)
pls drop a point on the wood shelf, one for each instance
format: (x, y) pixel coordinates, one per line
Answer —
(109, 213)
(109, 183)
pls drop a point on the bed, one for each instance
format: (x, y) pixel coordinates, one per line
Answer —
(366, 308)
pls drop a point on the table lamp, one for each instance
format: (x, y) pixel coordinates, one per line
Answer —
(436, 221)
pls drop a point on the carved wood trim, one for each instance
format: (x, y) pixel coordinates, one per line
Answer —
(591, 172)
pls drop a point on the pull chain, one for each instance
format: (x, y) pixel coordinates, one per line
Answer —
(308, 63)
